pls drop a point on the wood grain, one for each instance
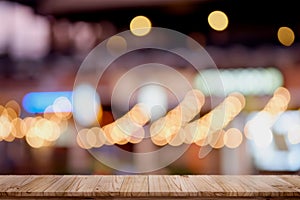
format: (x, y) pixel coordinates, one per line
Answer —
(150, 187)
(109, 186)
(133, 186)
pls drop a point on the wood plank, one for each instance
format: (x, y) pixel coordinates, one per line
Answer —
(233, 186)
(9, 184)
(175, 185)
(151, 187)
(137, 186)
(35, 187)
(292, 179)
(260, 188)
(83, 186)
(206, 185)
(283, 187)
(60, 187)
(109, 186)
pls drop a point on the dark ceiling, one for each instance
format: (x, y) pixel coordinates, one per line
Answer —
(251, 22)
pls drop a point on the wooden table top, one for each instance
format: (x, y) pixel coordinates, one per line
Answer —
(150, 186)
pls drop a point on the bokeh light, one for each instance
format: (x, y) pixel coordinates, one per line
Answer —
(218, 20)
(170, 128)
(82, 139)
(216, 140)
(233, 138)
(294, 135)
(248, 81)
(140, 26)
(286, 36)
(154, 98)
(86, 105)
(62, 107)
(116, 45)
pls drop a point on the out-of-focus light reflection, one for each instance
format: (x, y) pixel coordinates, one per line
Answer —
(248, 81)
(140, 26)
(139, 114)
(216, 119)
(29, 27)
(15, 106)
(39, 131)
(259, 127)
(37, 102)
(286, 36)
(83, 35)
(294, 135)
(178, 139)
(86, 105)
(233, 138)
(62, 104)
(116, 45)
(128, 128)
(169, 128)
(100, 137)
(5, 126)
(62, 107)
(154, 97)
(279, 102)
(218, 20)
(82, 139)
(18, 125)
(48, 130)
(6, 17)
(32, 138)
(216, 140)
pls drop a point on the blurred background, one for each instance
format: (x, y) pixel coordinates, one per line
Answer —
(43, 43)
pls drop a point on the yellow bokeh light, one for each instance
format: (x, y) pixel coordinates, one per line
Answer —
(166, 129)
(191, 105)
(9, 138)
(201, 132)
(32, 138)
(240, 97)
(140, 26)
(286, 36)
(14, 105)
(100, 137)
(216, 140)
(116, 45)
(17, 128)
(107, 129)
(281, 91)
(139, 115)
(218, 20)
(171, 132)
(118, 135)
(178, 139)
(159, 141)
(2, 108)
(91, 137)
(137, 136)
(82, 139)
(279, 102)
(11, 113)
(5, 126)
(233, 138)
(47, 130)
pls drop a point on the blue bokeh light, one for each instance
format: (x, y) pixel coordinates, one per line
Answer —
(37, 102)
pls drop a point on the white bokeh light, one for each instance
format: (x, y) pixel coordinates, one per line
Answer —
(154, 97)
(86, 105)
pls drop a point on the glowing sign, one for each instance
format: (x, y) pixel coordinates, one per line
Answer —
(248, 81)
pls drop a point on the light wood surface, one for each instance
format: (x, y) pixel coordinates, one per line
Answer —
(150, 187)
